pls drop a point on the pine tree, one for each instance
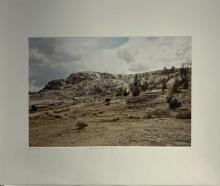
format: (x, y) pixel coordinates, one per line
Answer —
(164, 85)
(136, 90)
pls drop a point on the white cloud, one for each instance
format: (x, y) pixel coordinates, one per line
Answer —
(52, 58)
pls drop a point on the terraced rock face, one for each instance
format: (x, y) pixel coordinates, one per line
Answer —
(96, 84)
(54, 84)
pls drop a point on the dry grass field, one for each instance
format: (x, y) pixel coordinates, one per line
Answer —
(144, 120)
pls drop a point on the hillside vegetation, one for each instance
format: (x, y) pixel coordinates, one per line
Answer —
(103, 109)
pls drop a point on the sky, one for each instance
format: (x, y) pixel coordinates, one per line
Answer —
(57, 58)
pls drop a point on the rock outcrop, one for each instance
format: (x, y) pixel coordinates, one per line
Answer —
(96, 84)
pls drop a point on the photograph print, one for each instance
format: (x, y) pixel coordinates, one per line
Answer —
(110, 91)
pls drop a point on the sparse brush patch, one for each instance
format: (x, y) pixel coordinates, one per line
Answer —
(147, 116)
(134, 117)
(160, 113)
(184, 73)
(165, 71)
(120, 91)
(91, 104)
(184, 115)
(116, 119)
(57, 116)
(73, 117)
(111, 120)
(168, 99)
(98, 90)
(144, 86)
(136, 91)
(101, 112)
(126, 93)
(164, 85)
(176, 87)
(81, 125)
(108, 103)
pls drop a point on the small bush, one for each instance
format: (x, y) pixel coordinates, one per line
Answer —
(175, 87)
(174, 103)
(184, 115)
(134, 117)
(81, 125)
(98, 90)
(144, 86)
(116, 119)
(107, 100)
(136, 91)
(147, 116)
(165, 71)
(111, 119)
(164, 85)
(121, 92)
(184, 73)
(58, 116)
(157, 113)
(33, 108)
(126, 93)
(186, 84)
(168, 99)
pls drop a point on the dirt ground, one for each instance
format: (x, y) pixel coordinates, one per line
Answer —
(119, 122)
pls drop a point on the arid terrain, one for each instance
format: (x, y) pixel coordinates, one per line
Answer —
(86, 109)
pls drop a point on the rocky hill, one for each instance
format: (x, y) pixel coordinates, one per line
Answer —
(92, 84)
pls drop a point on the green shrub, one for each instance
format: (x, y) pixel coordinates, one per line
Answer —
(184, 73)
(134, 117)
(147, 116)
(136, 91)
(33, 108)
(172, 70)
(107, 100)
(126, 93)
(165, 71)
(164, 85)
(174, 103)
(58, 116)
(81, 125)
(98, 90)
(175, 87)
(116, 119)
(157, 113)
(186, 84)
(144, 86)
